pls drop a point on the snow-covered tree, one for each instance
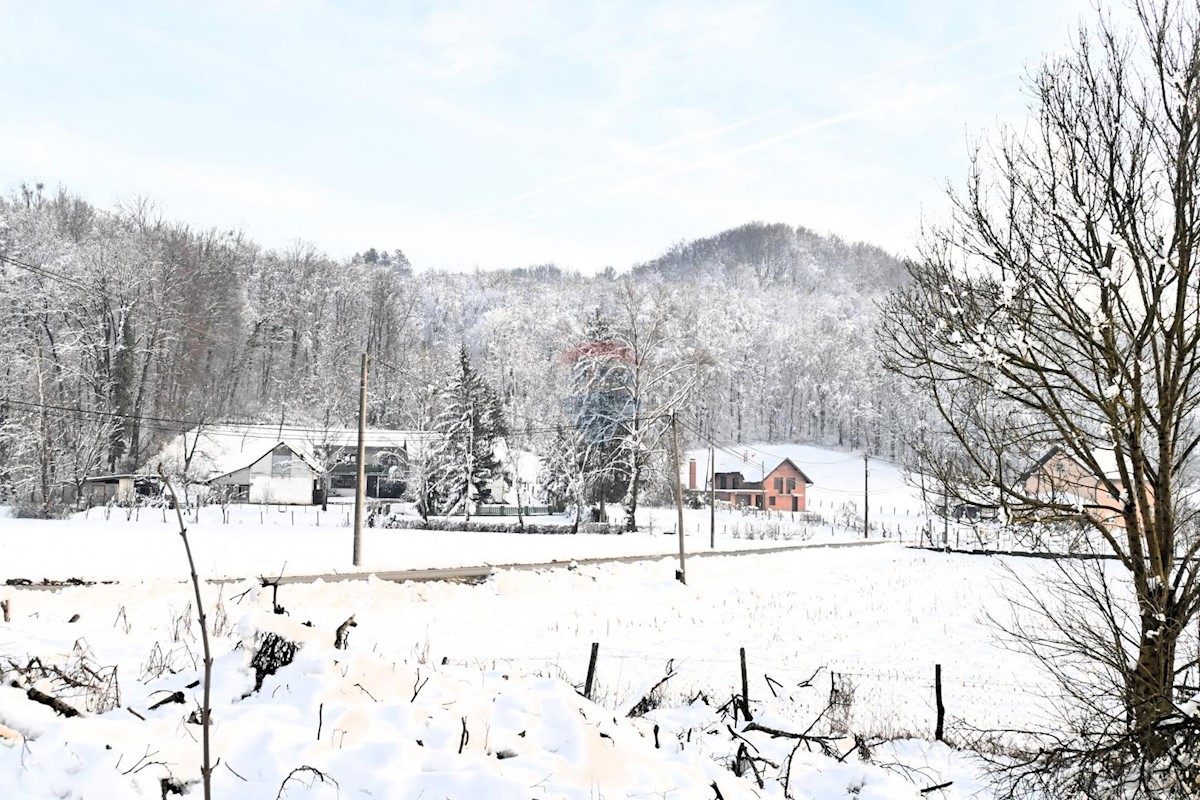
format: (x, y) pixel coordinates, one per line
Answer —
(469, 425)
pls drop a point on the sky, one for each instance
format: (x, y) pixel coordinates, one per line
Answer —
(475, 134)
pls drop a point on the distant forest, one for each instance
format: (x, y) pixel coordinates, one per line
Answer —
(119, 328)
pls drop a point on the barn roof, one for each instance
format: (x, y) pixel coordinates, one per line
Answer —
(223, 449)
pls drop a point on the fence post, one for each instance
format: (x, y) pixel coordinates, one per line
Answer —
(745, 686)
(941, 709)
(591, 673)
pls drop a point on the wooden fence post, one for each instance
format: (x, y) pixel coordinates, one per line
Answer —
(745, 686)
(941, 709)
(591, 673)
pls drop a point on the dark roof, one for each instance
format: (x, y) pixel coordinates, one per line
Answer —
(1037, 465)
(743, 484)
(119, 476)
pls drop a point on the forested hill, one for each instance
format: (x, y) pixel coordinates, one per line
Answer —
(118, 329)
(777, 253)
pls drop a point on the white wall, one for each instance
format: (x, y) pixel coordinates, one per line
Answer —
(291, 489)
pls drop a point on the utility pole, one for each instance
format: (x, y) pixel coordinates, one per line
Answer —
(681, 574)
(866, 497)
(360, 492)
(712, 497)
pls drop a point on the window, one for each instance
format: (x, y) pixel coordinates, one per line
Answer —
(779, 485)
(791, 485)
(771, 500)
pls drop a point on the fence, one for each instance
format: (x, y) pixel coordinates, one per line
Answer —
(511, 511)
(896, 703)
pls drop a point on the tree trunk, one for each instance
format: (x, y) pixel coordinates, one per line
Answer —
(1149, 686)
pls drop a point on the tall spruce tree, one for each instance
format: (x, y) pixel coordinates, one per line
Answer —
(470, 424)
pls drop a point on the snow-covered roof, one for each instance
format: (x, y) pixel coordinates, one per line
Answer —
(1106, 459)
(223, 449)
(753, 464)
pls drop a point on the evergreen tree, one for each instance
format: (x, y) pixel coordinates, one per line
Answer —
(469, 425)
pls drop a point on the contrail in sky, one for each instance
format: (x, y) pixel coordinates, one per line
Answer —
(739, 151)
(716, 132)
(583, 173)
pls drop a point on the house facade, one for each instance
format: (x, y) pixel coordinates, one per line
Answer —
(785, 488)
(281, 475)
(732, 487)
(1059, 478)
(289, 465)
(750, 484)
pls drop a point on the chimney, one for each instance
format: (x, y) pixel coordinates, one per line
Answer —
(745, 456)
(692, 474)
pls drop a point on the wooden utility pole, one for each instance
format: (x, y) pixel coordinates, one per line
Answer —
(682, 572)
(360, 492)
(712, 497)
(866, 497)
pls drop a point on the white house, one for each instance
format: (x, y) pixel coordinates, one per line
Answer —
(287, 465)
(283, 474)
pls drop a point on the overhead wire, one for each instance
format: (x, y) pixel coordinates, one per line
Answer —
(250, 430)
(823, 489)
(174, 425)
(730, 445)
(44, 272)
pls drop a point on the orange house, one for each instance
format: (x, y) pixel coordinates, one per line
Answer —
(781, 489)
(784, 487)
(1058, 478)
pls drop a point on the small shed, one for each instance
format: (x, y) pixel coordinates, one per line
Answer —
(125, 489)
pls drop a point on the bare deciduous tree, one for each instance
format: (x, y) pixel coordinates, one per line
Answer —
(1058, 307)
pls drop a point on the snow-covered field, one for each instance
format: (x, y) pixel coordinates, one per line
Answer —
(878, 617)
(473, 691)
(267, 542)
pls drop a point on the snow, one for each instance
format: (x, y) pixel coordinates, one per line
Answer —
(879, 616)
(286, 540)
(507, 658)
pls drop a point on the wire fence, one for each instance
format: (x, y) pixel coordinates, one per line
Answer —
(895, 703)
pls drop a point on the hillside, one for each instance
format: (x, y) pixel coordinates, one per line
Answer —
(779, 254)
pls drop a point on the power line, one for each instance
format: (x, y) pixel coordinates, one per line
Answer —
(729, 448)
(43, 272)
(177, 425)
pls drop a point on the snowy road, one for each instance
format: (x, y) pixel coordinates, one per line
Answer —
(482, 571)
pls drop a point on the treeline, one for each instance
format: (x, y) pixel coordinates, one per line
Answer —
(119, 328)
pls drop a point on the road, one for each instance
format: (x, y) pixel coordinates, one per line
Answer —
(473, 573)
(481, 572)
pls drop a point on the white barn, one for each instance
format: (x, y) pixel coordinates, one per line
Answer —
(283, 474)
(287, 465)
